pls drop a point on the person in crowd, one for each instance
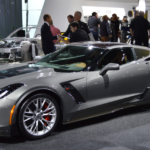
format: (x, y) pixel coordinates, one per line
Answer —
(133, 38)
(93, 24)
(115, 28)
(141, 27)
(83, 26)
(70, 18)
(119, 20)
(46, 35)
(124, 28)
(125, 19)
(78, 35)
(68, 31)
(54, 30)
(105, 31)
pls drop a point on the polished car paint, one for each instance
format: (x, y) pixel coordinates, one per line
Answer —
(100, 94)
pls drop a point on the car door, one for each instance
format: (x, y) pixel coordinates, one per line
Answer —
(117, 86)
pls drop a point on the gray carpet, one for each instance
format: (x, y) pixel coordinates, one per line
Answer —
(124, 130)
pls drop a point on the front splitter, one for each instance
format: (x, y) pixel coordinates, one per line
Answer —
(5, 131)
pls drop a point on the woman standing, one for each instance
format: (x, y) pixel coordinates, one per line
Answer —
(115, 28)
(105, 31)
(124, 29)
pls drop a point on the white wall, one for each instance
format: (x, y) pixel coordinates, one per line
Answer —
(60, 9)
(34, 13)
(148, 14)
(127, 6)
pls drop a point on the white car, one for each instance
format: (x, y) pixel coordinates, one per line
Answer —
(14, 47)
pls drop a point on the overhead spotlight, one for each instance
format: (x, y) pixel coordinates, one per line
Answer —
(141, 6)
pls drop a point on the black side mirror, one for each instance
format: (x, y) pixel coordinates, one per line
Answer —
(111, 66)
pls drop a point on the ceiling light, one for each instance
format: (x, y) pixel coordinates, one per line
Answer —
(141, 6)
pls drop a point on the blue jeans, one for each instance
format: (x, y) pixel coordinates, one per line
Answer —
(54, 49)
(95, 34)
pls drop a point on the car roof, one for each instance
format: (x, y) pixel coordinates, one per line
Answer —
(130, 46)
(98, 44)
(108, 45)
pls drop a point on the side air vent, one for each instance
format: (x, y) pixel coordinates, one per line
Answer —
(73, 93)
(142, 96)
(148, 59)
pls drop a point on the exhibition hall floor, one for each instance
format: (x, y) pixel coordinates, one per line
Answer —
(124, 130)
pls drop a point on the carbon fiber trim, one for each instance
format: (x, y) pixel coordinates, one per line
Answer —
(73, 93)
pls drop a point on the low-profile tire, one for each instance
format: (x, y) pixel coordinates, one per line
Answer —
(38, 116)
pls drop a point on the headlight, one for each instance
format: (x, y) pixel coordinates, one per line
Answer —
(9, 89)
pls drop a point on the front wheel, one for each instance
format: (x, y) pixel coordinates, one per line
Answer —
(38, 116)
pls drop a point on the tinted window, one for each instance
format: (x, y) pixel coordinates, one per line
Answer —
(72, 58)
(119, 56)
(141, 53)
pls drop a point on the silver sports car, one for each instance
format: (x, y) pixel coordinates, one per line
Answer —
(78, 82)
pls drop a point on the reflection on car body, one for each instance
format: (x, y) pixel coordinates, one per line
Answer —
(80, 81)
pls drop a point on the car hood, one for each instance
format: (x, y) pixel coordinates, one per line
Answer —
(35, 76)
(19, 73)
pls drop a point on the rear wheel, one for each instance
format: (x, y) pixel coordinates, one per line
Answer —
(38, 116)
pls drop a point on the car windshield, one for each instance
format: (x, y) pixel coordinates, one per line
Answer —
(71, 58)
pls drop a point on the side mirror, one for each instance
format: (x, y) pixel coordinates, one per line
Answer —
(111, 66)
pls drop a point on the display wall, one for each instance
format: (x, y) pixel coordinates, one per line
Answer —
(35, 7)
(101, 11)
(60, 9)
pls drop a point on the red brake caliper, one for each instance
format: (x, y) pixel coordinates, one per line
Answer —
(48, 118)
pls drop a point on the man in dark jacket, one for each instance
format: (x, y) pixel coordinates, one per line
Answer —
(141, 27)
(46, 35)
(70, 18)
(83, 26)
(78, 35)
(93, 24)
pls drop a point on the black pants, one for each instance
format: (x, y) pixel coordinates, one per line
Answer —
(46, 53)
(114, 38)
(142, 41)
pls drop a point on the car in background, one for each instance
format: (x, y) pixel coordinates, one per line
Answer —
(21, 41)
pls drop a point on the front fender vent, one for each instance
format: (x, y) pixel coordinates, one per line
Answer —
(143, 95)
(73, 93)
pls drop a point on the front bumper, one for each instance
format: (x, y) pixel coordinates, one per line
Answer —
(5, 131)
(9, 131)
(5, 109)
